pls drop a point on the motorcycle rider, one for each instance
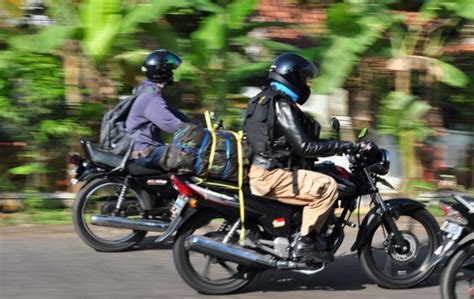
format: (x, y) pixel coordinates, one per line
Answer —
(150, 113)
(282, 139)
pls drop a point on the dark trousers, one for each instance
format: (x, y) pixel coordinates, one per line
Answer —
(153, 159)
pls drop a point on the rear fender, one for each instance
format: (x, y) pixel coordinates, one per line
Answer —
(398, 206)
(190, 216)
(89, 174)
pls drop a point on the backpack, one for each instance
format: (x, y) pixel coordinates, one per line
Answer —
(113, 136)
(206, 153)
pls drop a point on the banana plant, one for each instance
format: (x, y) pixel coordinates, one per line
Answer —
(216, 60)
(352, 29)
(411, 52)
(95, 24)
(401, 116)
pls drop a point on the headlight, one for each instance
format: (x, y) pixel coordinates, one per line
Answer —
(382, 167)
(385, 161)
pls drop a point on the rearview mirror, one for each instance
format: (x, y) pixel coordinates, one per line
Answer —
(335, 125)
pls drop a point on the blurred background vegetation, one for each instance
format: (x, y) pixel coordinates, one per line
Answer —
(405, 68)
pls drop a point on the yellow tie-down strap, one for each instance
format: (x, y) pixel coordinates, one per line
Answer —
(240, 181)
(212, 130)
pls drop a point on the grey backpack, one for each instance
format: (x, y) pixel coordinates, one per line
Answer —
(113, 136)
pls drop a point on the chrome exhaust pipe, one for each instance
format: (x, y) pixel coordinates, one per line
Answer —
(229, 252)
(135, 224)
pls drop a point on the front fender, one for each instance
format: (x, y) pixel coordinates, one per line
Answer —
(462, 247)
(398, 205)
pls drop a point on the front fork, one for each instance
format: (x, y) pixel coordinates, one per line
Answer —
(388, 215)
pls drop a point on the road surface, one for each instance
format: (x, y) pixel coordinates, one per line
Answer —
(45, 262)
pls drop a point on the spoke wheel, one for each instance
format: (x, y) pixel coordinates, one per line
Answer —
(393, 267)
(204, 273)
(99, 197)
(457, 280)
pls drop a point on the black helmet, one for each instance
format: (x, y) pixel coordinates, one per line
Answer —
(293, 70)
(158, 66)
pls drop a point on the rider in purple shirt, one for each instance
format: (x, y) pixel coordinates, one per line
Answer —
(150, 113)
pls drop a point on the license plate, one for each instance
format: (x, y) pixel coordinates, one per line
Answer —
(178, 205)
(452, 229)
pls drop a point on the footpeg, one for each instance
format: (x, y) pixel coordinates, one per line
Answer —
(350, 224)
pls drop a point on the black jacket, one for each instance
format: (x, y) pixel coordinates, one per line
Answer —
(294, 140)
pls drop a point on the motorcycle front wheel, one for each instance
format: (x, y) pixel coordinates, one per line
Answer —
(392, 268)
(99, 197)
(206, 274)
(457, 280)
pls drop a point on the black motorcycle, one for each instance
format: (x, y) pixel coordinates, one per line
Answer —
(120, 201)
(395, 240)
(457, 280)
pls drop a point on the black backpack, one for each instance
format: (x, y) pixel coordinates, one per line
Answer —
(113, 136)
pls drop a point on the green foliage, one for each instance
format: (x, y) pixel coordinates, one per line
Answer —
(451, 75)
(32, 109)
(96, 24)
(402, 112)
(28, 169)
(217, 60)
(462, 8)
(351, 34)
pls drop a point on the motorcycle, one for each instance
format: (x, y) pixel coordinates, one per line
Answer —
(395, 240)
(120, 200)
(457, 279)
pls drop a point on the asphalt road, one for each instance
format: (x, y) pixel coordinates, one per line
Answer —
(54, 263)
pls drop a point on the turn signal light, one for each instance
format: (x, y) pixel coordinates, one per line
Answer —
(193, 203)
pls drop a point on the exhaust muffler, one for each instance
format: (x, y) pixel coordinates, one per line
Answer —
(135, 224)
(229, 252)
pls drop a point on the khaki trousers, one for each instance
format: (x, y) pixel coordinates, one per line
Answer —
(317, 192)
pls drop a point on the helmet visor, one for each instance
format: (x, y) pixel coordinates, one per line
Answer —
(309, 71)
(172, 60)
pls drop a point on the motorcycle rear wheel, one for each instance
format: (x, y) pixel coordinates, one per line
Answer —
(99, 196)
(457, 280)
(392, 269)
(195, 268)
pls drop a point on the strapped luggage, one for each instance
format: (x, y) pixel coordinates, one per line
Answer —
(205, 152)
(210, 153)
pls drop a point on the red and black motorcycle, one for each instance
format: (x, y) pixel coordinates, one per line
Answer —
(395, 240)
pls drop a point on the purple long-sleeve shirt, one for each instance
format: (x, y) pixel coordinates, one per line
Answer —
(150, 114)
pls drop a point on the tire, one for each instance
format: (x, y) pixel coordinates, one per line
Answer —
(104, 238)
(189, 273)
(401, 270)
(450, 289)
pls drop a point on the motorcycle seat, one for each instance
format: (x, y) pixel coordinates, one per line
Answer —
(111, 161)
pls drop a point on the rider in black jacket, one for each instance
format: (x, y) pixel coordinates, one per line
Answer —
(285, 141)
